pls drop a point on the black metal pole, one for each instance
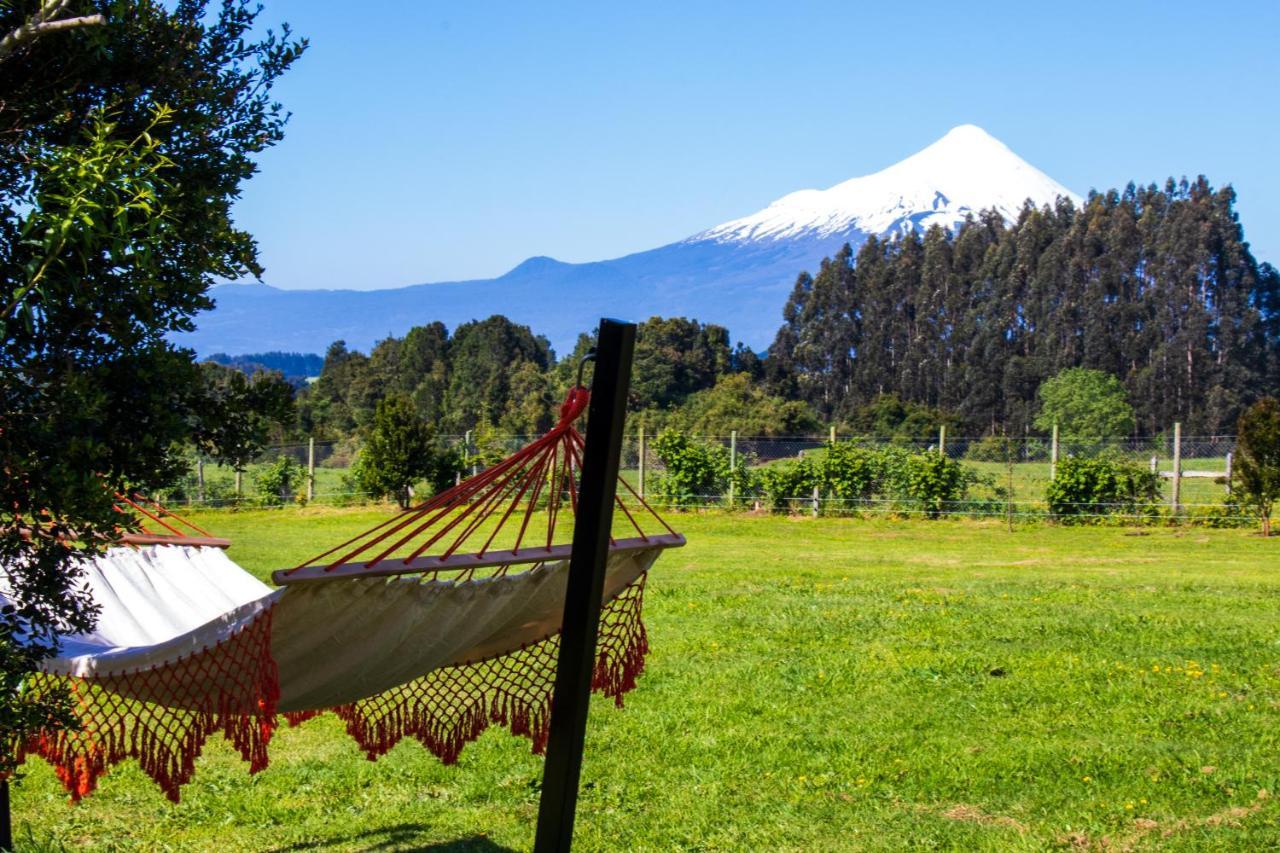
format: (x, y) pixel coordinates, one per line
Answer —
(614, 347)
(6, 817)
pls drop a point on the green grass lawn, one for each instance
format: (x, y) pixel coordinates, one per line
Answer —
(819, 685)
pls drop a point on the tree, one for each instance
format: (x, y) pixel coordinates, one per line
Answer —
(124, 146)
(1153, 285)
(483, 358)
(239, 412)
(674, 358)
(1256, 469)
(736, 403)
(43, 21)
(1087, 405)
(399, 450)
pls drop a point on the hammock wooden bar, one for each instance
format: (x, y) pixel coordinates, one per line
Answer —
(507, 515)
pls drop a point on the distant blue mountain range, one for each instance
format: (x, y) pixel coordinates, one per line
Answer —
(737, 274)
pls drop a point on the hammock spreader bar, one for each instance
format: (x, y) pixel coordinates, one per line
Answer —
(489, 519)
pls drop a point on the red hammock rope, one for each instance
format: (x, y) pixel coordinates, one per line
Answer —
(489, 519)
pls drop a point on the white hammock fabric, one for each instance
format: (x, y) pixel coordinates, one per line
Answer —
(333, 643)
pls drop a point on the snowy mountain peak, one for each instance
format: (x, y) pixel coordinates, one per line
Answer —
(965, 171)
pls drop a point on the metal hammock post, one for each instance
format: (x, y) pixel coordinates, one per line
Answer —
(6, 817)
(614, 347)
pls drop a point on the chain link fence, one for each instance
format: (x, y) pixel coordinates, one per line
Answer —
(1194, 472)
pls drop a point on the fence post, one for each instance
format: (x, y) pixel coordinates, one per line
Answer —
(1053, 454)
(942, 440)
(200, 478)
(832, 440)
(816, 498)
(1155, 464)
(643, 448)
(466, 449)
(1175, 497)
(239, 483)
(733, 463)
(1229, 458)
(311, 469)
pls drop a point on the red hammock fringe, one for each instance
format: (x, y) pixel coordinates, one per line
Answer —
(444, 710)
(232, 687)
(447, 709)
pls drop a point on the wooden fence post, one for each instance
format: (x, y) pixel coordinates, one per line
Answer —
(1229, 459)
(816, 498)
(733, 464)
(311, 469)
(200, 478)
(1175, 498)
(942, 440)
(1053, 454)
(643, 453)
(832, 439)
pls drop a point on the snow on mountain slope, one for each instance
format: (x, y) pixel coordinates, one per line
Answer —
(737, 274)
(966, 171)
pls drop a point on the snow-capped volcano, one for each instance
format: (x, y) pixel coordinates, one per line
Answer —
(737, 274)
(966, 171)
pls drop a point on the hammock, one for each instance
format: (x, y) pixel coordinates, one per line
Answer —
(438, 622)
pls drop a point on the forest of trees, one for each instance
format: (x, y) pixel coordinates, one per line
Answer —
(1155, 287)
(295, 367)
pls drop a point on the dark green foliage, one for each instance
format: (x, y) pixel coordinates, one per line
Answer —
(675, 357)
(737, 403)
(239, 412)
(483, 358)
(1086, 405)
(401, 449)
(1086, 489)
(889, 416)
(124, 147)
(1256, 472)
(1155, 286)
(489, 372)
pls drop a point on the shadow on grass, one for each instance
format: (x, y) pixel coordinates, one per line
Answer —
(400, 837)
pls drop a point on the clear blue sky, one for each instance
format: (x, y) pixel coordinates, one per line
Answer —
(437, 141)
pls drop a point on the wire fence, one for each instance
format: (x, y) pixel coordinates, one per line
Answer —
(1195, 473)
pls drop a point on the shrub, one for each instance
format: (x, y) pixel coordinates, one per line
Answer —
(278, 481)
(856, 474)
(785, 481)
(850, 472)
(1087, 489)
(695, 469)
(932, 483)
(1257, 468)
(400, 449)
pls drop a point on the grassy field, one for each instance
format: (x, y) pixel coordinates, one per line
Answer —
(819, 685)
